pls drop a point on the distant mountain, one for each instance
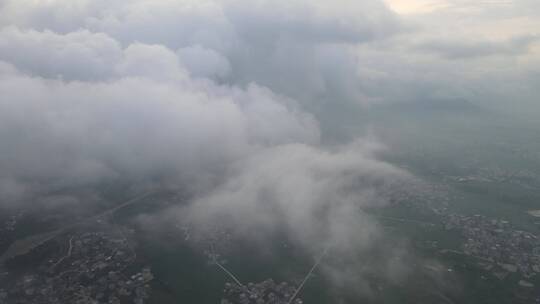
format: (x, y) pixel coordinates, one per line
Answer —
(450, 106)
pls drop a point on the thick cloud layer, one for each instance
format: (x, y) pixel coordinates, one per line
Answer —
(152, 120)
(231, 99)
(137, 88)
(213, 96)
(298, 48)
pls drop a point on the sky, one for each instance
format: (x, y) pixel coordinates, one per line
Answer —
(232, 99)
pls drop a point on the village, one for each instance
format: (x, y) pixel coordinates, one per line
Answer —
(498, 247)
(92, 267)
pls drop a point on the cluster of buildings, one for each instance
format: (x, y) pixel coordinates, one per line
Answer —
(12, 220)
(498, 247)
(265, 292)
(92, 268)
(508, 176)
(7, 228)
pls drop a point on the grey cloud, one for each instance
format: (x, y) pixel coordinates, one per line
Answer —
(102, 62)
(467, 49)
(298, 48)
(136, 125)
(311, 21)
(315, 194)
(204, 62)
(211, 23)
(225, 97)
(77, 55)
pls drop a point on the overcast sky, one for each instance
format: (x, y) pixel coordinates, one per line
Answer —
(486, 51)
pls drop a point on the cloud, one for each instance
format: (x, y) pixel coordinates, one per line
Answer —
(209, 22)
(310, 198)
(150, 61)
(204, 62)
(215, 97)
(231, 99)
(317, 195)
(77, 55)
(311, 21)
(216, 65)
(297, 48)
(468, 49)
(150, 119)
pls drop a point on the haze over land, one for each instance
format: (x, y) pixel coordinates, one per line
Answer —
(295, 120)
